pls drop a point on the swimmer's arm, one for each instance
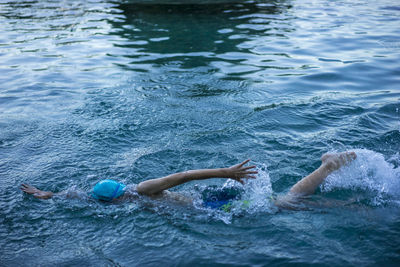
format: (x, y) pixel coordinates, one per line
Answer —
(31, 190)
(40, 194)
(310, 183)
(237, 172)
(330, 163)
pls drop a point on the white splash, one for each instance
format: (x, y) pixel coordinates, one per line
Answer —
(257, 194)
(370, 173)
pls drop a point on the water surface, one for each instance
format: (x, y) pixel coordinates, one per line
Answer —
(108, 89)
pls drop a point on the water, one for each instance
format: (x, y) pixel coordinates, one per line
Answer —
(107, 89)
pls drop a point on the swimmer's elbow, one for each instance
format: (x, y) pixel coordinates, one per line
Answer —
(288, 202)
(143, 189)
(147, 188)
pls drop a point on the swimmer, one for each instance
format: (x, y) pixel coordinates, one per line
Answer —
(110, 190)
(113, 191)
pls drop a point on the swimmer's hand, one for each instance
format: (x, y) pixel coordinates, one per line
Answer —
(239, 172)
(36, 192)
(335, 161)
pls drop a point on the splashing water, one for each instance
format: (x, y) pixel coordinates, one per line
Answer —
(257, 195)
(371, 174)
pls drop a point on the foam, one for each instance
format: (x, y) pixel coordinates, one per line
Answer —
(257, 194)
(370, 173)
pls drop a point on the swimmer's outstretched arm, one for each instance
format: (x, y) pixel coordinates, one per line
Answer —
(330, 163)
(237, 172)
(36, 192)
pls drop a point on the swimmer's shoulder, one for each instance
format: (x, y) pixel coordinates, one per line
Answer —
(130, 193)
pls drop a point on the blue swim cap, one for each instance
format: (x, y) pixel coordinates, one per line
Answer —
(107, 190)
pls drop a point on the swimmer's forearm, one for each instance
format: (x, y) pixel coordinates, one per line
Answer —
(205, 174)
(330, 163)
(37, 193)
(155, 186)
(310, 183)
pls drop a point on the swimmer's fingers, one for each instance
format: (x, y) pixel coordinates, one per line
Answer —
(28, 189)
(246, 174)
(343, 160)
(239, 172)
(351, 155)
(241, 178)
(36, 192)
(240, 165)
(336, 161)
(248, 168)
(346, 158)
(250, 172)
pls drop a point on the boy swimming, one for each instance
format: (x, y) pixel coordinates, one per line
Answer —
(113, 191)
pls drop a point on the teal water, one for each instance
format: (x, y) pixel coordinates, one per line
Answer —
(107, 89)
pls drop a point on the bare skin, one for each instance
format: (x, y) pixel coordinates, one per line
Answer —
(236, 172)
(158, 187)
(330, 163)
(308, 185)
(36, 192)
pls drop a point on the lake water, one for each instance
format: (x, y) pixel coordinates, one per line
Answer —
(110, 89)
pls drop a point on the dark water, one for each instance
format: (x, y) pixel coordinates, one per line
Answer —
(103, 89)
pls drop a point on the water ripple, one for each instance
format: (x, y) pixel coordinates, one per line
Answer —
(110, 89)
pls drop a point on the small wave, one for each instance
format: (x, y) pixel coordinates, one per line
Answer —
(371, 174)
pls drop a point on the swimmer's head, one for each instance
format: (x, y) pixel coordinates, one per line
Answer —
(107, 190)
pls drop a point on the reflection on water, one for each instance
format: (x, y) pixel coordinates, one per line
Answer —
(183, 36)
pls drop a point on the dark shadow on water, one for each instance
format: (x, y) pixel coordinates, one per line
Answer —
(193, 35)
